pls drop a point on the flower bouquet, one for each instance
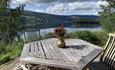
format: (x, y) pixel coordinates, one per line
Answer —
(59, 33)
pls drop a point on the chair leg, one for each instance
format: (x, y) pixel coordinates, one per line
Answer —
(21, 67)
(86, 68)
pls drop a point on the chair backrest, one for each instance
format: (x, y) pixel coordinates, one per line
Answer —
(108, 56)
(31, 35)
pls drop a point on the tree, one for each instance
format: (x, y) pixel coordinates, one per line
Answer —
(108, 16)
(9, 21)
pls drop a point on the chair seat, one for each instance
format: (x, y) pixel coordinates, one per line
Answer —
(99, 66)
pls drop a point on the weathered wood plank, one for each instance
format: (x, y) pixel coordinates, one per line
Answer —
(36, 50)
(43, 55)
(60, 53)
(90, 57)
(52, 63)
(54, 49)
(48, 54)
(51, 51)
(32, 50)
(25, 51)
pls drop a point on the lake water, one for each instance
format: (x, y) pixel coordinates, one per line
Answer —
(45, 31)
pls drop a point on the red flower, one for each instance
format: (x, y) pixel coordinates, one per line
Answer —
(60, 31)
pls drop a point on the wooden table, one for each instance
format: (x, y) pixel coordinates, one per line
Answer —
(75, 56)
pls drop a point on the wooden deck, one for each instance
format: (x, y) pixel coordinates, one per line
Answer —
(76, 55)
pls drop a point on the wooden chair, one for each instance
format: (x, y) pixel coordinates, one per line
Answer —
(31, 35)
(107, 59)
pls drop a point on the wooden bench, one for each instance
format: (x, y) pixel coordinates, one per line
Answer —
(31, 35)
(107, 59)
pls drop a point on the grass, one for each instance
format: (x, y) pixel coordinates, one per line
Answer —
(10, 51)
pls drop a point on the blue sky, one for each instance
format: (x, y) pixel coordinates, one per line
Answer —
(62, 7)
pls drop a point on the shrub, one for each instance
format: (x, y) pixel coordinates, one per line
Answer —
(48, 35)
(108, 23)
(5, 58)
(97, 38)
(87, 36)
(102, 36)
(2, 47)
(11, 52)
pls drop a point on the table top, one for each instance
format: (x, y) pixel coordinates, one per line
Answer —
(75, 55)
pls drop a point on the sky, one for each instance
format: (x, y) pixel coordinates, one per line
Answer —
(62, 7)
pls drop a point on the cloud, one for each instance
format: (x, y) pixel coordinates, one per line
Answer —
(18, 1)
(105, 3)
(49, 1)
(72, 8)
(63, 7)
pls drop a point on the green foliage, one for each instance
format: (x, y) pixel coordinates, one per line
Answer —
(9, 21)
(5, 58)
(102, 36)
(48, 35)
(87, 36)
(2, 47)
(11, 51)
(108, 23)
(3, 5)
(108, 16)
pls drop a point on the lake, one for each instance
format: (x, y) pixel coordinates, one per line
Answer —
(45, 31)
(34, 35)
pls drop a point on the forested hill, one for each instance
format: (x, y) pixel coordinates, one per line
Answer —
(43, 20)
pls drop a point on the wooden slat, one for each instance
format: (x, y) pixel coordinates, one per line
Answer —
(24, 34)
(32, 48)
(28, 36)
(111, 54)
(51, 51)
(110, 34)
(113, 59)
(25, 51)
(48, 54)
(53, 46)
(23, 67)
(105, 48)
(43, 55)
(108, 52)
(62, 56)
(36, 36)
(37, 52)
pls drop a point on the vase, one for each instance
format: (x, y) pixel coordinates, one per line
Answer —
(61, 42)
